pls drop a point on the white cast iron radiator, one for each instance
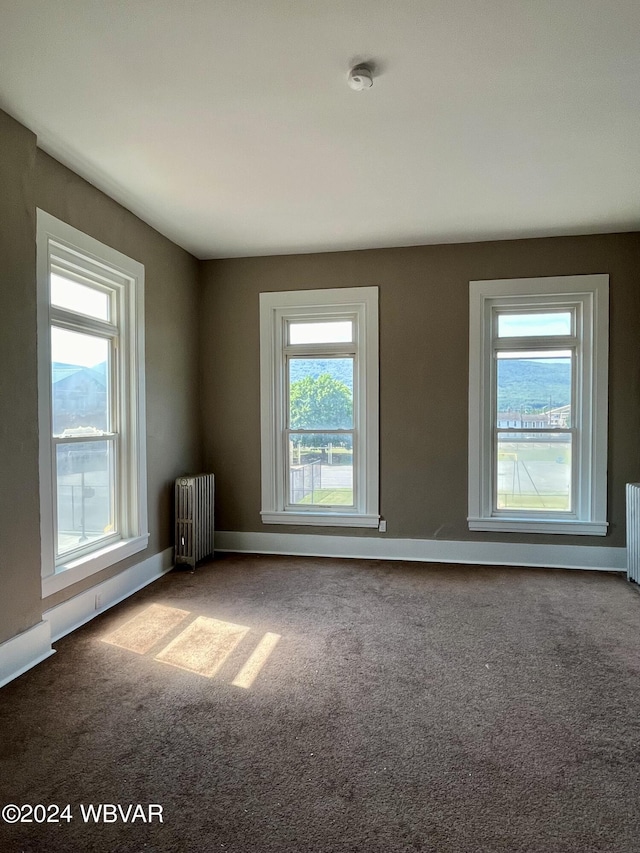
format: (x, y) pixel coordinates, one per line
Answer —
(633, 532)
(194, 518)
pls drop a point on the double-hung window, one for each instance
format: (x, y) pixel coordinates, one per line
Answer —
(91, 391)
(319, 407)
(538, 365)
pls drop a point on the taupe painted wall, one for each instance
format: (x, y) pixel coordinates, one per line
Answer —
(32, 179)
(19, 498)
(423, 372)
(423, 367)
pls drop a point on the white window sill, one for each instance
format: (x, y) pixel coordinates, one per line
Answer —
(520, 525)
(84, 567)
(321, 519)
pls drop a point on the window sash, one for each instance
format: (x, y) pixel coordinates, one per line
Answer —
(114, 383)
(561, 345)
(512, 311)
(553, 434)
(315, 322)
(576, 380)
(290, 506)
(114, 499)
(288, 358)
(106, 289)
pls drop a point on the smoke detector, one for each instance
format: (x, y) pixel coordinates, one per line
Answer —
(360, 77)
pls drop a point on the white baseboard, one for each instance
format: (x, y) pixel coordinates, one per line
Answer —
(23, 651)
(427, 550)
(71, 614)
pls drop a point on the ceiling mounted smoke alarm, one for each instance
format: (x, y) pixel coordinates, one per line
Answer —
(360, 77)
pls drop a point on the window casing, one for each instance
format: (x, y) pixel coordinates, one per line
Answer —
(538, 371)
(91, 404)
(319, 407)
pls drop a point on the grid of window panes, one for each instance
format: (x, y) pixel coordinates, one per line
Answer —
(83, 413)
(320, 430)
(534, 369)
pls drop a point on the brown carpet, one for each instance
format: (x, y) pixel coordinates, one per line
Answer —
(293, 704)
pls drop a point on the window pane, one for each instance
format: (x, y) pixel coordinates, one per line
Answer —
(73, 296)
(80, 382)
(534, 323)
(534, 389)
(321, 469)
(328, 332)
(534, 472)
(85, 493)
(321, 393)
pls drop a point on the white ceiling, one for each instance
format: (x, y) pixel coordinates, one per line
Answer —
(228, 124)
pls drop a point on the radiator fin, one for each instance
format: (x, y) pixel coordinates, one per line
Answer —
(194, 503)
(633, 532)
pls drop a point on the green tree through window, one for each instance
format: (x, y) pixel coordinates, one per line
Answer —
(320, 403)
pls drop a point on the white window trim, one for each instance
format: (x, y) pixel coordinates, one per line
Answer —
(52, 235)
(275, 310)
(592, 293)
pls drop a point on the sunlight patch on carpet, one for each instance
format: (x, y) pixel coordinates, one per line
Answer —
(146, 629)
(256, 661)
(203, 646)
